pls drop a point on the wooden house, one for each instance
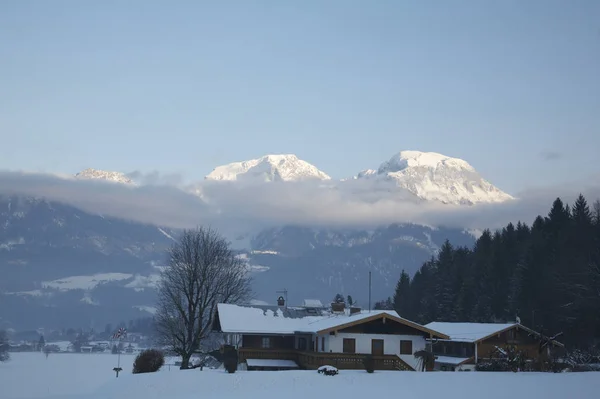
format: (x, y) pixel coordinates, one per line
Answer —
(281, 337)
(470, 343)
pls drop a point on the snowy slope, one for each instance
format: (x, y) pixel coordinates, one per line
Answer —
(95, 174)
(286, 167)
(436, 177)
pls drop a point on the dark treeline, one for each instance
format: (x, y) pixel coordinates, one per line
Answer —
(547, 274)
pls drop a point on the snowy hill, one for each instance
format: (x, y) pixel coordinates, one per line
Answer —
(95, 174)
(287, 167)
(436, 177)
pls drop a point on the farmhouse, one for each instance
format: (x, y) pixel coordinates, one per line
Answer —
(281, 337)
(470, 343)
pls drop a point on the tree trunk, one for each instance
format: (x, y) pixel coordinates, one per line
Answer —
(185, 361)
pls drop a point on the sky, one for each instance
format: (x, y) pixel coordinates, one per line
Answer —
(513, 87)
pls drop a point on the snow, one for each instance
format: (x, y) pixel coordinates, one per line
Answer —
(112, 177)
(247, 319)
(271, 363)
(84, 282)
(468, 332)
(451, 360)
(435, 177)
(140, 283)
(267, 252)
(145, 308)
(327, 368)
(166, 234)
(285, 167)
(312, 303)
(412, 159)
(90, 376)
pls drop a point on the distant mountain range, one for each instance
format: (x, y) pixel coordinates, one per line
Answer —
(427, 175)
(62, 266)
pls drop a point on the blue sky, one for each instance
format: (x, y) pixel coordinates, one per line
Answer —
(513, 87)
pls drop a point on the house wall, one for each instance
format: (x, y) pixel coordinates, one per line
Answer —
(391, 344)
(516, 337)
(451, 348)
(277, 341)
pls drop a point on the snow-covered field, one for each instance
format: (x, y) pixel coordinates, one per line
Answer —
(89, 376)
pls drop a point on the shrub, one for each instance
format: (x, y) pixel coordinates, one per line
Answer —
(148, 361)
(230, 359)
(369, 363)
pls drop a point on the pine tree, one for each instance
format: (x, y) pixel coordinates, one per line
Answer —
(401, 301)
(444, 294)
(547, 274)
(483, 255)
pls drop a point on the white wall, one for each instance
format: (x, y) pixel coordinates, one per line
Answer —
(391, 344)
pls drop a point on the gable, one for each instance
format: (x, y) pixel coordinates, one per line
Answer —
(478, 332)
(383, 326)
(378, 320)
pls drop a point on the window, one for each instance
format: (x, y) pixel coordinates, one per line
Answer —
(302, 343)
(266, 342)
(349, 345)
(406, 347)
(322, 344)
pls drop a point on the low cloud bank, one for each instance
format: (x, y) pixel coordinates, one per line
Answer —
(365, 203)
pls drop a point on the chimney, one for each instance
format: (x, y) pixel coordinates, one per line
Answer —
(354, 310)
(280, 302)
(338, 306)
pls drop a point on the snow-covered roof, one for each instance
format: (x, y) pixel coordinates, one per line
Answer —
(256, 320)
(312, 303)
(468, 332)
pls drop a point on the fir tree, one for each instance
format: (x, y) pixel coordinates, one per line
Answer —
(401, 302)
(547, 274)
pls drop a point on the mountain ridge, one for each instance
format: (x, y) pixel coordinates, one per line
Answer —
(436, 177)
(272, 167)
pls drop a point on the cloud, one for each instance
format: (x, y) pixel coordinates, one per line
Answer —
(551, 155)
(156, 178)
(164, 205)
(237, 207)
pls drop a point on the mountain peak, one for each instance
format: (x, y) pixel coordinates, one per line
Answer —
(272, 167)
(96, 174)
(437, 177)
(419, 159)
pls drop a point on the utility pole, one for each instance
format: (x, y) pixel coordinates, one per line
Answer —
(369, 291)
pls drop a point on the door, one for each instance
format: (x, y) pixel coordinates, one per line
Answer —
(377, 347)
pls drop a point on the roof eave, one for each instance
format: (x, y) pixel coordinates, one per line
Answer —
(385, 315)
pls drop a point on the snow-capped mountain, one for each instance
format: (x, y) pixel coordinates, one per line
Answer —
(436, 177)
(115, 177)
(285, 167)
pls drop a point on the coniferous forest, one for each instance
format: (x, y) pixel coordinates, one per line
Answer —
(547, 274)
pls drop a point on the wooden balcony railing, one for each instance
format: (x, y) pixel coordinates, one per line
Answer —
(314, 360)
(274, 354)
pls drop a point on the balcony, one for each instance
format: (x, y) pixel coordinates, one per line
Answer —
(314, 360)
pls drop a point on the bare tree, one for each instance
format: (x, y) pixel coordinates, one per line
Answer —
(202, 272)
(4, 355)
